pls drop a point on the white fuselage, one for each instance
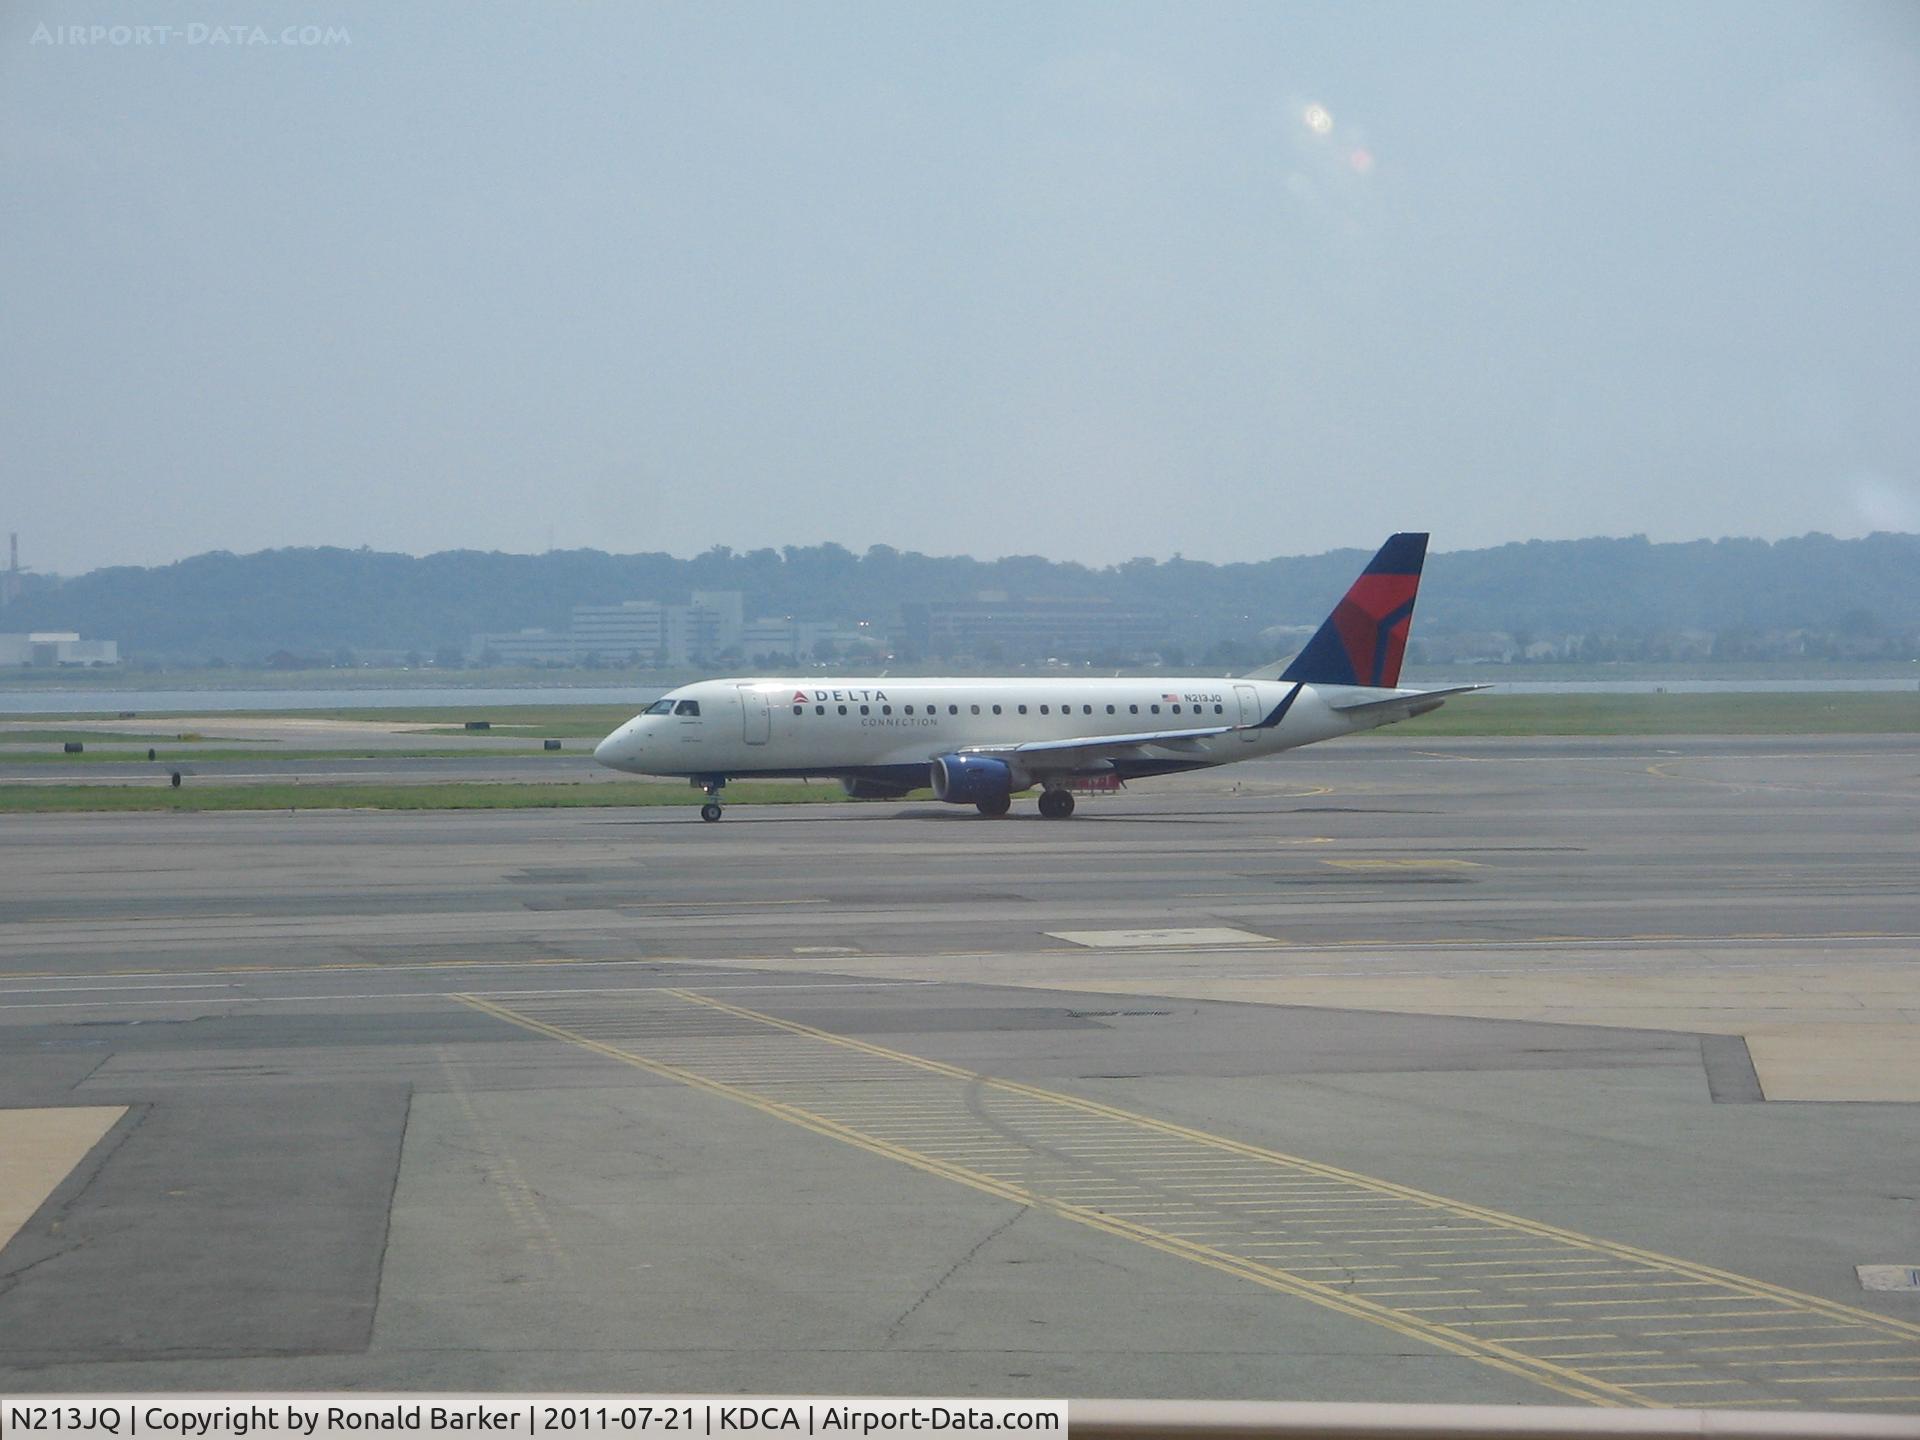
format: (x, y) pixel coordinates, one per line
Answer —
(813, 727)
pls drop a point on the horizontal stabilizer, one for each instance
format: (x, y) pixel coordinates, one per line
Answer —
(1404, 707)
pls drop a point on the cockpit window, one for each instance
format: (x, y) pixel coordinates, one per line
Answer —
(659, 707)
(687, 707)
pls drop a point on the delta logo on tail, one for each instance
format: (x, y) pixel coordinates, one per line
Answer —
(1364, 640)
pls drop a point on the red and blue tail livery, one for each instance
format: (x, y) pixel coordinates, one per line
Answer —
(1364, 640)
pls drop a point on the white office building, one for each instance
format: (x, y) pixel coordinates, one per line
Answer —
(634, 631)
(522, 647)
(57, 647)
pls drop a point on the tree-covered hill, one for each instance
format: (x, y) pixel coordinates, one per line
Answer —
(245, 607)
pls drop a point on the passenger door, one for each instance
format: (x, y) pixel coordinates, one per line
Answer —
(1249, 711)
(756, 716)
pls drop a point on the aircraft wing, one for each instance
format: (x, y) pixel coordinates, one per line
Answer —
(1405, 707)
(1089, 750)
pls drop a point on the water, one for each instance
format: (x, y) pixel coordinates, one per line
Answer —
(208, 702)
(211, 702)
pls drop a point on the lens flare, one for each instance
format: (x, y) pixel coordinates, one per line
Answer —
(1318, 120)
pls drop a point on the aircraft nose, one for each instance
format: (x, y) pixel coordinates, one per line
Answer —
(607, 752)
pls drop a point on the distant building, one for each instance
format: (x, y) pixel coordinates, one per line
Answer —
(727, 608)
(632, 632)
(57, 647)
(992, 625)
(778, 639)
(645, 632)
(523, 647)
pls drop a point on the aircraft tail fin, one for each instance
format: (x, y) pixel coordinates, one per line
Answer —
(1363, 640)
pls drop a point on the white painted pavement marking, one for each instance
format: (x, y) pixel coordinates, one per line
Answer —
(1153, 939)
(1888, 1277)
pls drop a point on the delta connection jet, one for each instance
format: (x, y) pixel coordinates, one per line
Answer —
(980, 742)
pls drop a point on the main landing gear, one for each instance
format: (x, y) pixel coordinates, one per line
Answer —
(995, 807)
(1056, 804)
(713, 785)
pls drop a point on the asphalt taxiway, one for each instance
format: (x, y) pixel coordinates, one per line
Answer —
(1451, 1071)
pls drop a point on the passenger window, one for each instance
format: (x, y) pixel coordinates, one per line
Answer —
(819, 709)
(799, 709)
(888, 709)
(976, 709)
(1109, 709)
(1023, 709)
(1043, 709)
(843, 709)
(865, 711)
(996, 709)
(1176, 709)
(1154, 708)
(1133, 709)
(687, 707)
(1219, 709)
(955, 709)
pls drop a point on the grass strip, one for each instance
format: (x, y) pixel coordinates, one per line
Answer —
(459, 796)
(1824, 713)
(557, 722)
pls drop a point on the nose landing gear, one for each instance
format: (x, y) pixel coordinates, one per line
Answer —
(712, 784)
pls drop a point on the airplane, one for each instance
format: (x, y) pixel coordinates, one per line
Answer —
(979, 742)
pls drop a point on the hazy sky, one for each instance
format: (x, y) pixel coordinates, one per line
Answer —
(1087, 280)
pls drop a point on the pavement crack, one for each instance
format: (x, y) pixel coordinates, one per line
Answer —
(985, 1240)
(12, 1278)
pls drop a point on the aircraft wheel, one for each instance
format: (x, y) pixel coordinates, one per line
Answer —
(1056, 804)
(710, 811)
(994, 808)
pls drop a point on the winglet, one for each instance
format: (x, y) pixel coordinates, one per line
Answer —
(1363, 640)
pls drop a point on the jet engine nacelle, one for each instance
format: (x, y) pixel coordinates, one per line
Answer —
(970, 779)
